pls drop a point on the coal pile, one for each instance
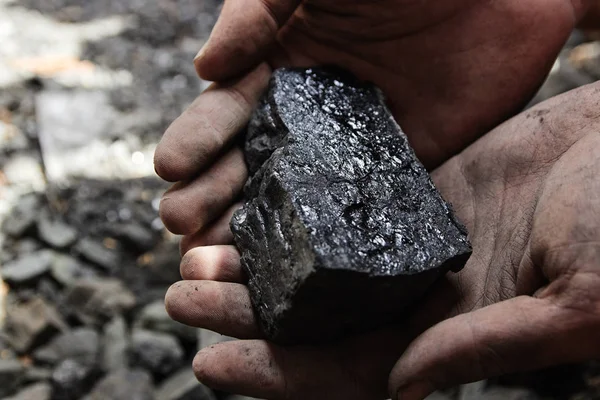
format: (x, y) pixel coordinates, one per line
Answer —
(86, 270)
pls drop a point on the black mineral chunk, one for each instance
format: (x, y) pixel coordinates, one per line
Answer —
(342, 228)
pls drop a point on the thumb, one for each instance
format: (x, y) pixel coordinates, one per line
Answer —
(520, 334)
(242, 36)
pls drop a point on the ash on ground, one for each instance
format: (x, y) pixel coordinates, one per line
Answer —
(86, 90)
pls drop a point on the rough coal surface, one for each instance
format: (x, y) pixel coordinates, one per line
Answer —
(343, 227)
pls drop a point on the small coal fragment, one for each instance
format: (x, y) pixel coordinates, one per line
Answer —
(134, 234)
(27, 268)
(115, 345)
(71, 380)
(98, 254)
(66, 270)
(36, 374)
(342, 228)
(11, 372)
(160, 353)
(55, 232)
(81, 345)
(32, 323)
(22, 218)
(96, 301)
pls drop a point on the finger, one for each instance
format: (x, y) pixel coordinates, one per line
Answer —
(356, 368)
(219, 233)
(245, 367)
(201, 133)
(260, 369)
(220, 307)
(212, 263)
(242, 36)
(520, 334)
(187, 208)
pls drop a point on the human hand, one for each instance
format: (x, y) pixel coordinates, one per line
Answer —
(529, 297)
(451, 70)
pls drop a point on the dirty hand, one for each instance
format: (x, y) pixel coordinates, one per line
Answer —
(451, 71)
(529, 297)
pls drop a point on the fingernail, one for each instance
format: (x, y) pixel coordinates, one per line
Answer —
(414, 391)
(200, 53)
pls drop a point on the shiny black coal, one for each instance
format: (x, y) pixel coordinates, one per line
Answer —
(342, 228)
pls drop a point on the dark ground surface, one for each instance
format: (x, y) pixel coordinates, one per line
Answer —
(86, 263)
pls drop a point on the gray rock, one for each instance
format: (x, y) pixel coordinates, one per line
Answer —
(27, 268)
(99, 300)
(25, 170)
(70, 380)
(343, 228)
(81, 345)
(11, 372)
(154, 317)
(63, 135)
(55, 232)
(160, 353)
(37, 391)
(66, 270)
(124, 385)
(31, 323)
(22, 217)
(183, 385)
(134, 234)
(96, 253)
(36, 374)
(115, 345)
(28, 245)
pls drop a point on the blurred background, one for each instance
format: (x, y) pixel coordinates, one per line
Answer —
(86, 90)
